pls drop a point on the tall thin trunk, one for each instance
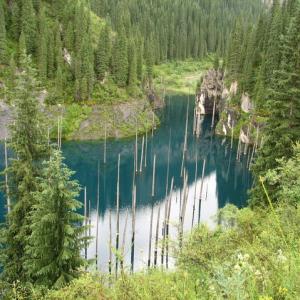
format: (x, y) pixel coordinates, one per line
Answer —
(6, 178)
(118, 214)
(133, 227)
(156, 238)
(142, 155)
(97, 218)
(201, 189)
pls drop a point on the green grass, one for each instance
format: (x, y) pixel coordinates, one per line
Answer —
(180, 77)
(245, 258)
(73, 115)
(250, 255)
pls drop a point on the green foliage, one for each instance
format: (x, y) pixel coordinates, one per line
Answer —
(284, 179)
(180, 76)
(3, 41)
(120, 59)
(74, 116)
(97, 44)
(28, 143)
(283, 126)
(28, 25)
(245, 257)
(56, 237)
(86, 287)
(248, 259)
(103, 53)
(42, 44)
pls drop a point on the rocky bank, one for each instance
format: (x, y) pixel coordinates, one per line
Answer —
(86, 121)
(234, 113)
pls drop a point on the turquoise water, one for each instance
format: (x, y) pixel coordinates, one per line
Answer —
(226, 180)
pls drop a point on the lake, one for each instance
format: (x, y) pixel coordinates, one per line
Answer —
(226, 180)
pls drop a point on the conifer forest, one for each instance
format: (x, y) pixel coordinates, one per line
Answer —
(149, 149)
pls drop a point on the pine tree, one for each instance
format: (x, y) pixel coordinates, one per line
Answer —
(28, 25)
(248, 77)
(15, 20)
(132, 72)
(29, 144)
(59, 82)
(102, 56)
(272, 52)
(21, 47)
(87, 69)
(11, 74)
(283, 127)
(233, 61)
(42, 45)
(120, 59)
(149, 61)
(3, 41)
(140, 61)
(56, 238)
(51, 54)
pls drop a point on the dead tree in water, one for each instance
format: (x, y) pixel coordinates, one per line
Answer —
(152, 208)
(201, 189)
(105, 140)
(156, 238)
(168, 223)
(195, 192)
(85, 222)
(110, 244)
(6, 178)
(146, 149)
(150, 237)
(185, 138)
(133, 227)
(183, 207)
(142, 155)
(123, 243)
(118, 214)
(214, 113)
(97, 218)
(168, 164)
(136, 150)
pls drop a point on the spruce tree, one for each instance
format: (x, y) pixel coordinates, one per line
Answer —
(56, 237)
(29, 145)
(51, 54)
(42, 47)
(149, 61)
(233, 61)
(28, 25)
(102, 56)
(15, 20)
(21, 47)
(3, 41)
(283, 127)
(132, 71)
(140, 61)
(120, 59)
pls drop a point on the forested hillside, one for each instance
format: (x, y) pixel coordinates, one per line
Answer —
(82, 56)
(265, 59)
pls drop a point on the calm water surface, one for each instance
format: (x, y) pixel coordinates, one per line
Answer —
(226, 180)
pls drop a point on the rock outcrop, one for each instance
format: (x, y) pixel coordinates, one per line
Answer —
(210, 92)
(236, 116)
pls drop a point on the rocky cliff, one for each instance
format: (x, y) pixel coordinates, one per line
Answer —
(234, 112)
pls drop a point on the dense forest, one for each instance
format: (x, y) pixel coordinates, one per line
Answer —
(83, 48)
(82, 54)
(265, 60)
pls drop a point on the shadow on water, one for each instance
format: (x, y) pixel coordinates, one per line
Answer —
(226, 179)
